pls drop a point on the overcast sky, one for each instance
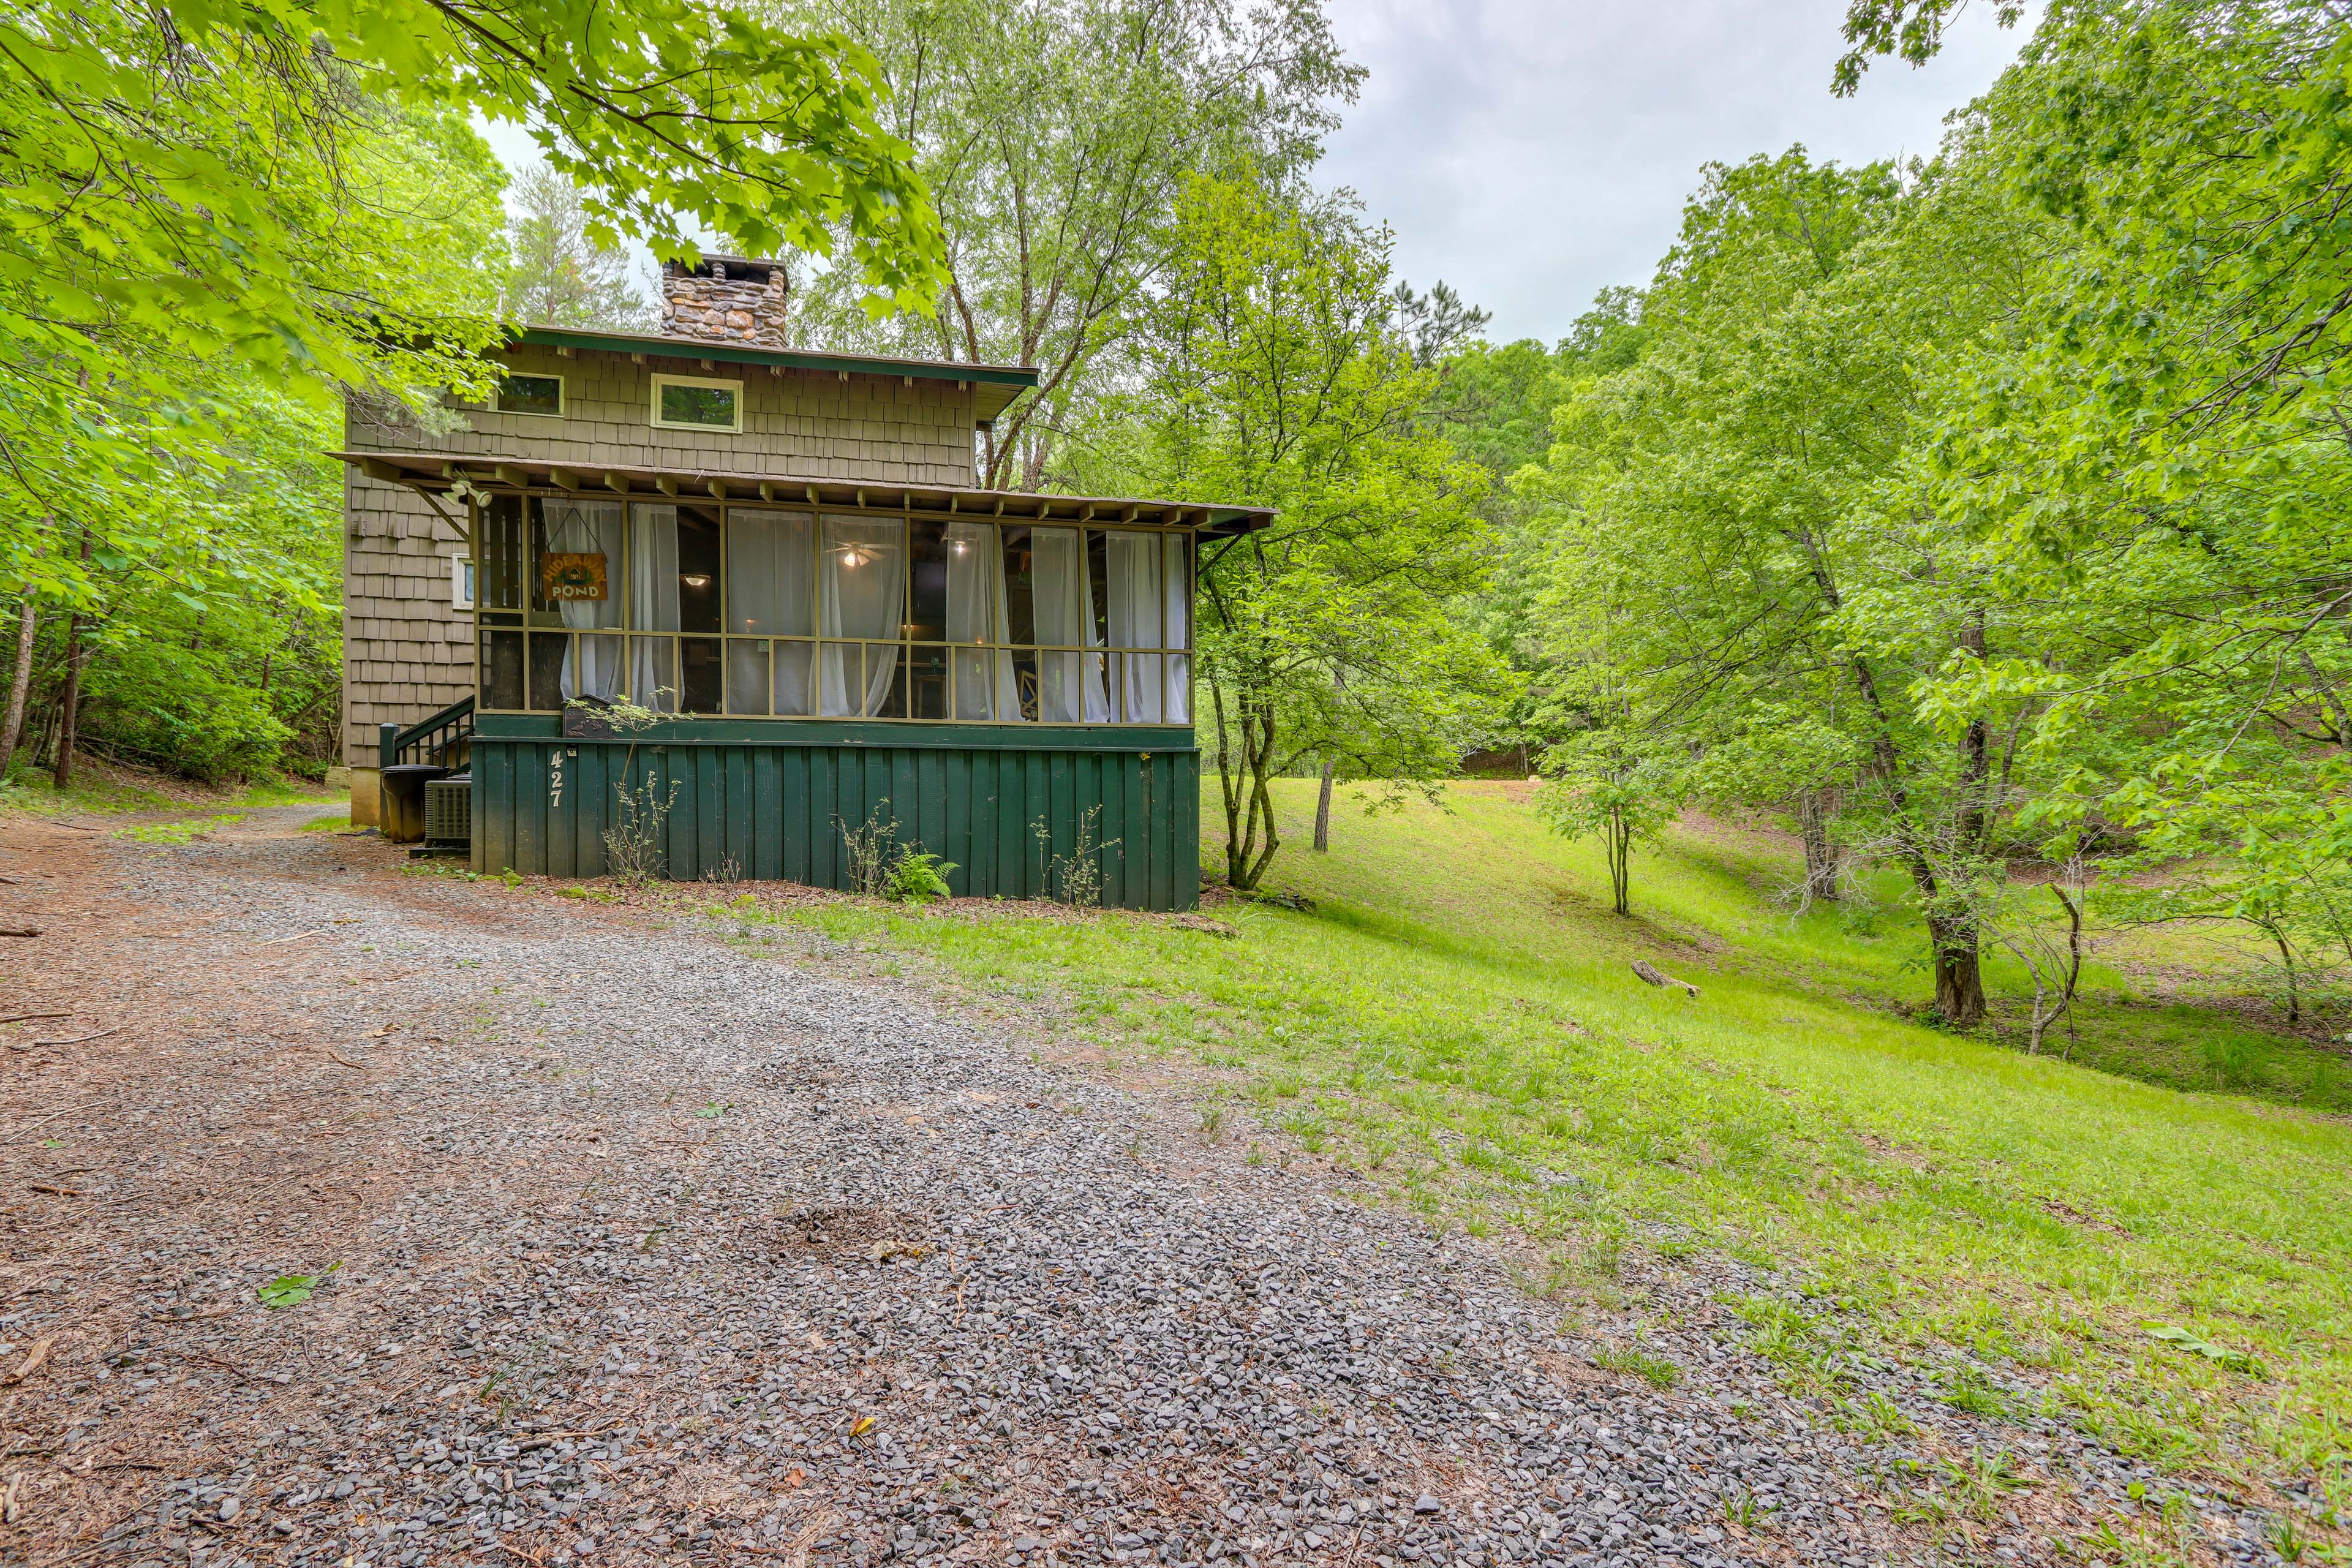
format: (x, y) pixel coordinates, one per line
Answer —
(1531, 152)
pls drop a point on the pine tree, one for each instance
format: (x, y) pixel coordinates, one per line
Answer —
(559, 277)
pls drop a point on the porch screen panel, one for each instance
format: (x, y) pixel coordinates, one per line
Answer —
(771, 594)
(1069, 683)
(861, 593)
(1176, 624)
(1139, 607)
(501, 659)
(977, 612)
(654, 608)
(591, 665)
(503, 555)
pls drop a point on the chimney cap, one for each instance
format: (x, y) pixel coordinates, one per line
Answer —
(731, 269)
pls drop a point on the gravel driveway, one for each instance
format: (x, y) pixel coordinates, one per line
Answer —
(650, 1249)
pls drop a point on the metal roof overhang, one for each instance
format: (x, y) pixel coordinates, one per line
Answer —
(438, 473)
(993, 385)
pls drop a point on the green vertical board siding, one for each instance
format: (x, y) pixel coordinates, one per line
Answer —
(823, 844)
(1005, 795)
(1003, 814)
(563, 815)
(1135, 866)
(494, 822)
(764, 780)
(955, 785)
(1184, 814)
(1059, 803)
(476, 834)
(741, 844)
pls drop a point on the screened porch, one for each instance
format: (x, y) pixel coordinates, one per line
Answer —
(810, 612)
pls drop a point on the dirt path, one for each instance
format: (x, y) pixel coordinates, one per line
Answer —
(644, 1248)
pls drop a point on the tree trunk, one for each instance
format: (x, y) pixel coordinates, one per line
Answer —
(1260, 757)
(70, 704)
(1249, 797)
(70, 708)
(1226, 795)
(1959, 979)
(1323, 799)
(2294, 991)
(1618, 838)
(45, 729)
(1821, 856)
(2073, 908)
(1960, 975)
(20, 682)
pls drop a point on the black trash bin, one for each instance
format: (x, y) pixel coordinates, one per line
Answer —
(403, 819)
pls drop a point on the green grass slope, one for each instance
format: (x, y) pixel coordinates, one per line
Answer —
(1456, 1019)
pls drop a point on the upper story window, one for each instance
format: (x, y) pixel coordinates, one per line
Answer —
(687, 403)
(530, 393)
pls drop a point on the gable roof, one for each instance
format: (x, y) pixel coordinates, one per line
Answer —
(993, 385)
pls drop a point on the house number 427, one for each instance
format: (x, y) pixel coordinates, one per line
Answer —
(555, 779)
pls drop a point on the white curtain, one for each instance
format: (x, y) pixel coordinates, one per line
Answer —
(984, 687)
(862, 593)
(1176, 626)
(1069, 685)
(770, 593)
(1137, 612)
(653, 608)
(592, 665)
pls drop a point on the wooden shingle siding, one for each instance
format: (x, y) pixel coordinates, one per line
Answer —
(808, 423)
(774, 809)
(405, 651)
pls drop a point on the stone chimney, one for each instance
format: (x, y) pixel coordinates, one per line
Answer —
(726, 300)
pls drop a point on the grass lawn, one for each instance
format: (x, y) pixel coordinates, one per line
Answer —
(103, 788)
(1455, 1019)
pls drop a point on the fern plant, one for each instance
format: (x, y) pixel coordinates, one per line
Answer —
(917, 877)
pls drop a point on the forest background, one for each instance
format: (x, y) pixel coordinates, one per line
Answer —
(1976, 515)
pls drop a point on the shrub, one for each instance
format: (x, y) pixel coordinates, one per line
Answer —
(917, 877)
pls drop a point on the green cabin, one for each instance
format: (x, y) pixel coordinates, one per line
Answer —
(725, 607)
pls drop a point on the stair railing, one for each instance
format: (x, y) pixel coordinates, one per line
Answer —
(429, 739)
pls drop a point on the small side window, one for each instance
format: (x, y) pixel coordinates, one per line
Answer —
(540, 394)
(461, 583)
(684, 403)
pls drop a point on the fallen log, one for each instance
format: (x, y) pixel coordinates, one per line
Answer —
(1648, 972)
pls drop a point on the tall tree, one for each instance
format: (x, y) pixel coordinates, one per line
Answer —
(20, 679)
(1496, 404)
(1436, 323)
(198, 198)
(197, 148)
(1273, 376)
(2151, 480)
(1913, 29)
(1056, 137)
(1721, 496)
(559, 275)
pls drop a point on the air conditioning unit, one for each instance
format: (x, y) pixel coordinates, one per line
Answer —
(449, 812)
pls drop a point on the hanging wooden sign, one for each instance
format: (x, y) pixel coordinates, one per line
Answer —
(564, 577)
